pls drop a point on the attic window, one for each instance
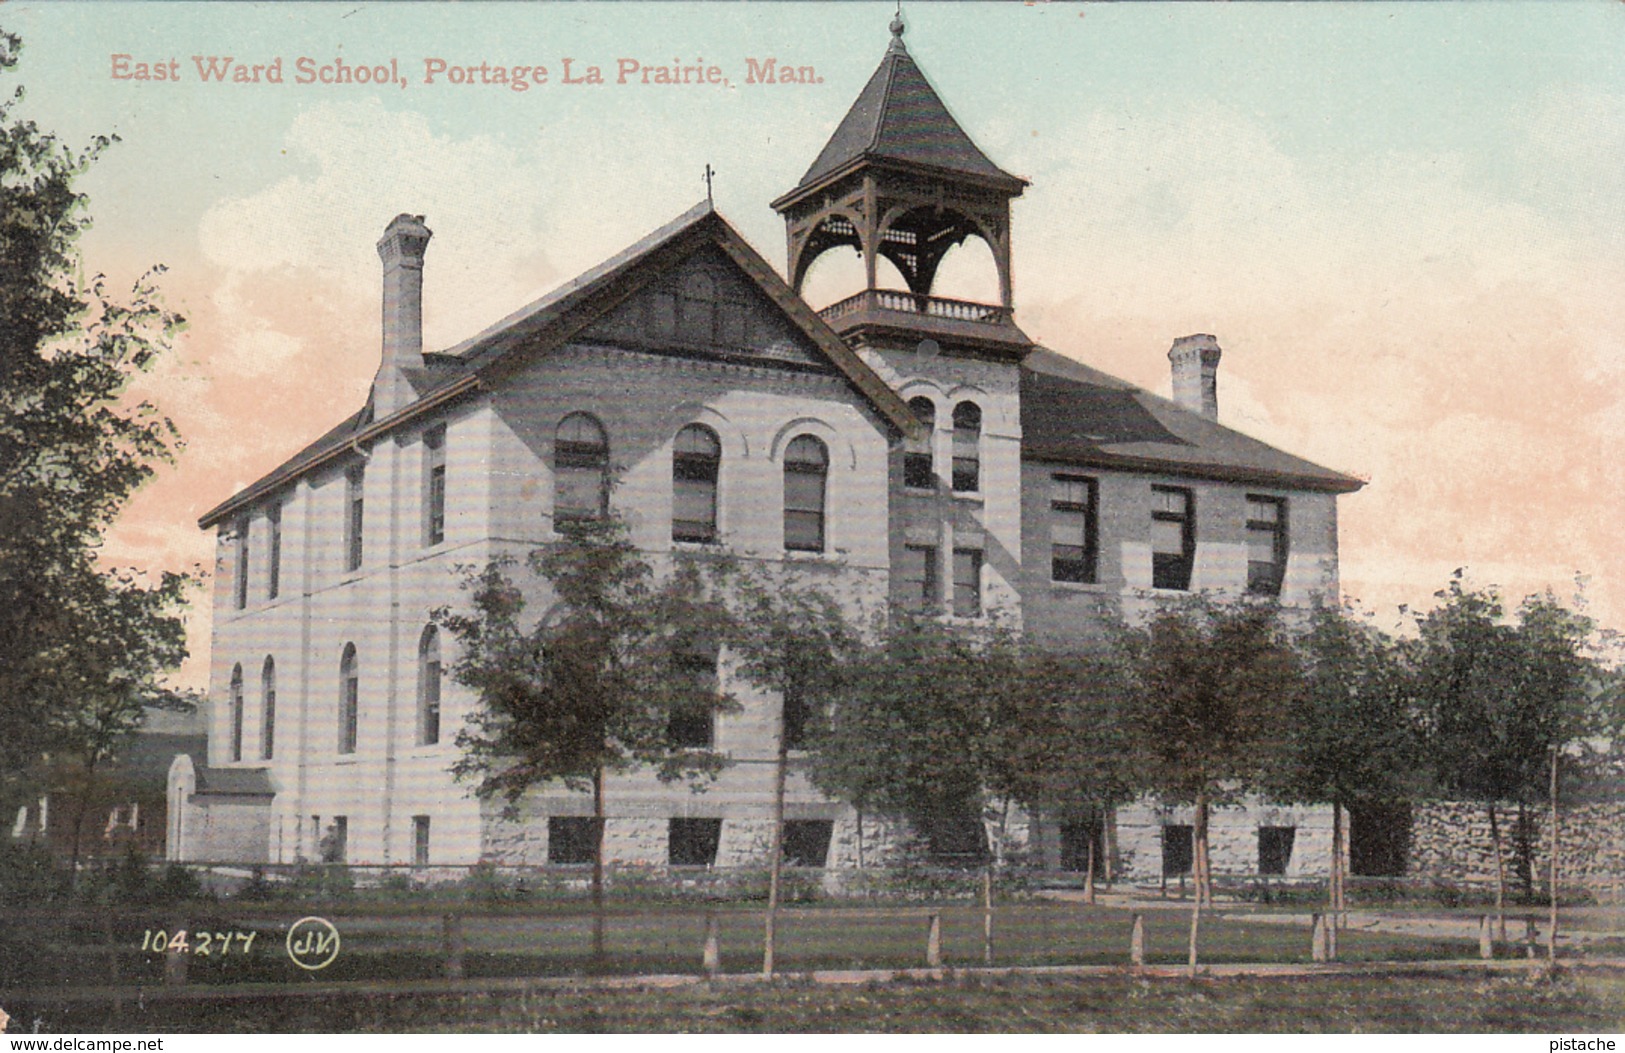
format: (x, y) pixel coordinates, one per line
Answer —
(703, 310)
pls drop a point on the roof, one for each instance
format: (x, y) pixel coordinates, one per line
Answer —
(1073, 414)
(551, 321)
(899, 117)
(234, 782)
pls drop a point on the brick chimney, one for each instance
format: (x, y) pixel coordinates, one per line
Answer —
(1196, 374)
(401, 250)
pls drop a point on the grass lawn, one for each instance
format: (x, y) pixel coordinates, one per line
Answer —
(668, 939)
(1399, 1003)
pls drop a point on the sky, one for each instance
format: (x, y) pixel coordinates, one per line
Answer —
(1405, 223)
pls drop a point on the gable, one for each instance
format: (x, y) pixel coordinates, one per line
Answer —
(706, 307)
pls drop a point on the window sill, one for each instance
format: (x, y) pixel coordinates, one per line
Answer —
(1079, 586)
(809, 556)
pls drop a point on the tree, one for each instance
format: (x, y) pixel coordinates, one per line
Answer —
(1066, 740)
(81, 647)
(1350, 736)
(1499, 697)
(596, 685)
(916, 734)
(1203, 714)
(793, 640)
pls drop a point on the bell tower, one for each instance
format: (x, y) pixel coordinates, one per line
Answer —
(900, 179)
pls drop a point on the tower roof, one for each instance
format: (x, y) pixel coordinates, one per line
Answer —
(899, 117)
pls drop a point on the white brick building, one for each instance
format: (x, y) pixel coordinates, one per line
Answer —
(903, 448)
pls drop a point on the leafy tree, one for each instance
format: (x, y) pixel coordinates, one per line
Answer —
(595, 685)
(1500, 697)
(916, 733)
(1066, 738)
(1350, 737)
(81, 647)
(1210, 681)
(791, 639)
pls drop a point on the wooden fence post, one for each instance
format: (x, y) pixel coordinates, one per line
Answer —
(933, 943)
(1486, 940)
(1136, 941)
(1317, 937)
(987, 916)
(451, 941)
(713, 951)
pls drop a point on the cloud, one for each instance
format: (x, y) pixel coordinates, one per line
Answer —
(1399, 318)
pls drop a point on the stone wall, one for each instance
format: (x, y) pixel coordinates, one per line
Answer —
(1450, 841)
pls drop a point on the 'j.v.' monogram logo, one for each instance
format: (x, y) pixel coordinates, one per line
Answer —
(313, 943)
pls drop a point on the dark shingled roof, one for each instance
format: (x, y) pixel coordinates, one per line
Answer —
(898, 116)
(1073, 414)
(234, 782)
(558, 316)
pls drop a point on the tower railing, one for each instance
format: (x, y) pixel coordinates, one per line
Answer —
(916, 303)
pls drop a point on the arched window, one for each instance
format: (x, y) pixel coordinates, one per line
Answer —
(349, 699)
(695, 458)
(237, 712)
(967, 447)
(806, 464)
(268, 709)
(429, 670)
(580, 469)
(919, 473)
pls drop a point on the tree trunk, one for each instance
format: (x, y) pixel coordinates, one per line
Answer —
(1108, 842)
(1551, 933)
(1500, 877)
(1526, 852)
(598, 867)
(79, 823)
(859, 812)
(1338, 904)
(776, 862)
(1089, 876)
(1198, 868)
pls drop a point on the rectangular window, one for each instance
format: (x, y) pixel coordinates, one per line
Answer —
(967, 582)
(1266, 544)
(1173, 537)
(420, 840)
(692, 724)
(917, 471)
(1275, 848)
(273, 570)
(1177, 850)
(797, 711)
(918, 574)
(806, 842)
(1081, 843)
(354, 498)
(693, 842)
(336, 842)
(240, 600)
(1073, 526)
(569, 840)
(434, 486)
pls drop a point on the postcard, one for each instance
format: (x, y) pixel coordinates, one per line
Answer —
(626, 516)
